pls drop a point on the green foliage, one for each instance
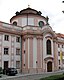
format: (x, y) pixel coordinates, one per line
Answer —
(54, 77)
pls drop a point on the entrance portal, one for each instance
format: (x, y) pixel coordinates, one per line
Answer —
(49, 66)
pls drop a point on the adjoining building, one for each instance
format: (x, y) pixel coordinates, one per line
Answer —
(29, 43)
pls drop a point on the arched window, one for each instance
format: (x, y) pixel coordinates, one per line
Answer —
(48, 45)
(15, 23)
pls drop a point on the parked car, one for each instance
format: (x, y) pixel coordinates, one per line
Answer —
(1, 71)
(11, 71)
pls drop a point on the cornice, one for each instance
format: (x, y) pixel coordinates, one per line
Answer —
(32, 32)
(32, 36)
(7, 30)
(27, 36)
(60, 41)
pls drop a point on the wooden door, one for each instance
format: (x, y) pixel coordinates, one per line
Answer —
(49, 67)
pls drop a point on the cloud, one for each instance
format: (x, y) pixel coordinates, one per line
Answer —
(51, 8)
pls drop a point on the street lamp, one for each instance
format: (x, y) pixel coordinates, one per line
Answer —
(63, 2)
(63, 11)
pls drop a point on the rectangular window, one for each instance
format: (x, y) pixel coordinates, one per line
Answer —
(59, 62)
(17, 64)
(17, 39)
(24, 51)
(17, 51)
(6, 50)
(6, 37)
(58, 45)
(58, 53)
(62, 46)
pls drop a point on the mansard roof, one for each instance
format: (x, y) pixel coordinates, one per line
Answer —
(29, 10)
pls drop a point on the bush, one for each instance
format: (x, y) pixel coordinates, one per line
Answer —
(54, 77)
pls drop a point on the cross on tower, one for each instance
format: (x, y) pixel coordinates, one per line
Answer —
(28, 6)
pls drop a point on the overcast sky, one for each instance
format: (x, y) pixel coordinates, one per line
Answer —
(51, 8)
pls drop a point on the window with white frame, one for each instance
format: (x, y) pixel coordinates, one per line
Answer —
(6, 37)
(59, 62)
(62, 46)
(58, 53)
(17, 64)
(6, 50)
(17, 39)
(17, 51)
(58, 45)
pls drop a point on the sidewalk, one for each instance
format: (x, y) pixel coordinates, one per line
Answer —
(36, 76)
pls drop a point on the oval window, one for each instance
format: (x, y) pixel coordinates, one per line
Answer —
(15, 23)
(41, 24)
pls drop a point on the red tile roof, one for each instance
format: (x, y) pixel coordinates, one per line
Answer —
(60, 35)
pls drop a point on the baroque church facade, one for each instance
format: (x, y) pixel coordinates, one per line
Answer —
(29, 43)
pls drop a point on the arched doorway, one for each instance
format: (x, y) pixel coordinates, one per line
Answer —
(49, 66)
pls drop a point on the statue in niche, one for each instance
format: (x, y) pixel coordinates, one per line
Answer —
(47, 19)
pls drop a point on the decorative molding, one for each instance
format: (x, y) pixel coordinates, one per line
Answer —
(39, 37)
(27, 36)
(48, 37)
(47, 58)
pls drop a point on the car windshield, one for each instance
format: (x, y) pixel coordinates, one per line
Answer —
(13, 69)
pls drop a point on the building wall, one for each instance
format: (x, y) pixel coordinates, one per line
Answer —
(33, 57)
(12, 45)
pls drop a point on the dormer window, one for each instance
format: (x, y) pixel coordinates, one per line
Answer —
(15, 23)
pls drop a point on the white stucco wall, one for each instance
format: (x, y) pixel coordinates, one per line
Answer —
(12, 45)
